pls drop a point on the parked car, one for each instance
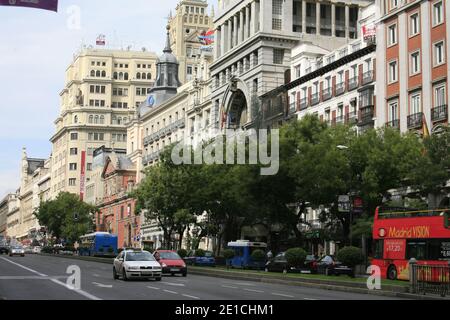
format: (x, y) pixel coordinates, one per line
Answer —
(329, 266)
(136, 264)
(4, 248)
(207, 260)
(280, 264)
(171, 262)
(28, 249)
(16, 250)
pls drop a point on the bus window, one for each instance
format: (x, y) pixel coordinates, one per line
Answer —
(378, 249)
(417, 250)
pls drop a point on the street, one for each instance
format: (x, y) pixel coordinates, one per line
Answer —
(43, 278)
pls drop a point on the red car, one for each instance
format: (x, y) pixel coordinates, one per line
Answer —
(171, 262)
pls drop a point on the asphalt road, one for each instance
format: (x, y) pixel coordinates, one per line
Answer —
(38, 277)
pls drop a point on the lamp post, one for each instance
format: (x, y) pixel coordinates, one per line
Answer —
(346, 148)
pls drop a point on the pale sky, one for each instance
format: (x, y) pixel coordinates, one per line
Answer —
(36, 46)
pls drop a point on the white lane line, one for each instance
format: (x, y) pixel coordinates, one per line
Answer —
(189, 296)
(309, 299)
(79, 291)
(282, 295)
(168, 291)
(102, 285)
(231, 287)
(150, 287)
(31, 277)
(174, 284)
(252, 290)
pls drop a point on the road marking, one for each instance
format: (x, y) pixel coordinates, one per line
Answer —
(309, 299)
(231, 287)
(252, 290)
(96, 275)
(168, 291)
(79, 291)
(282, 295)
(174, 284)
(150, 287)
(31, 277)
(189, 296)
(102, 285)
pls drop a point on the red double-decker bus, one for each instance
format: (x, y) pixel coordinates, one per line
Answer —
(400, 234)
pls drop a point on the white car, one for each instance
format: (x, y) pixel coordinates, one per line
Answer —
(136, 264)
(37, 249)
(16, 251)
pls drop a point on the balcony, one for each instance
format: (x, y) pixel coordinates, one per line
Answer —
(292, 108)
(340, 88)
(303, 104)
(366, 116)
(339, 119)
(326, 94)
(393, 124)
(367, 77)
(150, 157)
(351, 118)
(439, 113)
(415, 121)
(314, 98)
(164, 131)
(353, 83)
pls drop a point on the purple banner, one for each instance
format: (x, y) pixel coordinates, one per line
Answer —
(51, 5)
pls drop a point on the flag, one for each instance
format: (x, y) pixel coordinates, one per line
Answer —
(207, 37)
(51, 5)
(101, 40)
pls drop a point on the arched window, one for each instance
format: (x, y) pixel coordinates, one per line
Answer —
(138, 75)
(75, 119)
(149, 76)
(120, 75)
(126, 76)
(91, 118)
(103, 74)
(96, 120)
(97, 73)
(102, 119)
(92, 73)
(115, 76)
(144, 76)
(119, 120)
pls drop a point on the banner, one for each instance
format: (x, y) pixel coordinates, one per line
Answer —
(51, 5)
(369, 31)
(83, 174)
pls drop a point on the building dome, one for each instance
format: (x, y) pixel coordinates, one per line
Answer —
(167, 56)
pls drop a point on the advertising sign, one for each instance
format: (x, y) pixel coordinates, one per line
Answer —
(83, 173)
(369, 31)
(394, 248)
(51, 5)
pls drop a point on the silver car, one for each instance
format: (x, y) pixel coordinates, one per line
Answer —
(136, 264)
(16, 251)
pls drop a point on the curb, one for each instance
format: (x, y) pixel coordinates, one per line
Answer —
(353, 288)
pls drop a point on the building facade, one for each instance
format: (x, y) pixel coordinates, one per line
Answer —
(254, 42)
(413, 40)
(103, 88)
(190, 21)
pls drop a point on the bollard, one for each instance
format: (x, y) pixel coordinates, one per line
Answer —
(412, 275)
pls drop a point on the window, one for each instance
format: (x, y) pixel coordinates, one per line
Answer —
(73, 151)
(278, 56)
(393, 111)
(416, 249)
(72, 166)
(439, 53)
(95, 136)
(439, 96)
(74, 136)
(415, 104)
(438, 16)
(297, 71)
(276, 24)
(393, 71)
(414, 63)
(414, 24)
(392, 35)
(72, 182)
(394, 4)
(277, 7)
(89, 166)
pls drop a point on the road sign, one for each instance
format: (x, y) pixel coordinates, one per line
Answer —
(344, 203)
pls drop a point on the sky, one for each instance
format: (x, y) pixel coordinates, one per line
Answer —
(36, 46)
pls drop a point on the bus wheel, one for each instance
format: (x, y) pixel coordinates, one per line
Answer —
(392, 273)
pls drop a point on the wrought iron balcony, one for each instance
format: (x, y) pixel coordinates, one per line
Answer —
(366, 116)
(292, 108)
(351, 118)
(326, 94)
(393, 124)
(314, 98)
(340, 88)
(439, 113)
(164, 131)
(415, 121)
(353, 83)
(151, 157)
(367, 77)
(339, 119)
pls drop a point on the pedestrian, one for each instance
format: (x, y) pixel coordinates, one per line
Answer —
(269, 255)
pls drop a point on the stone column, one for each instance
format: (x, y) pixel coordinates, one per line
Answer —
(223, 39)
(241, 34)
(347, 21)
(218, 43)
(235, 31)
(230, 35)
(288, 16)
(333, 20)
(247, 23)
(254, 19)
(303, 16)
(318, 18)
